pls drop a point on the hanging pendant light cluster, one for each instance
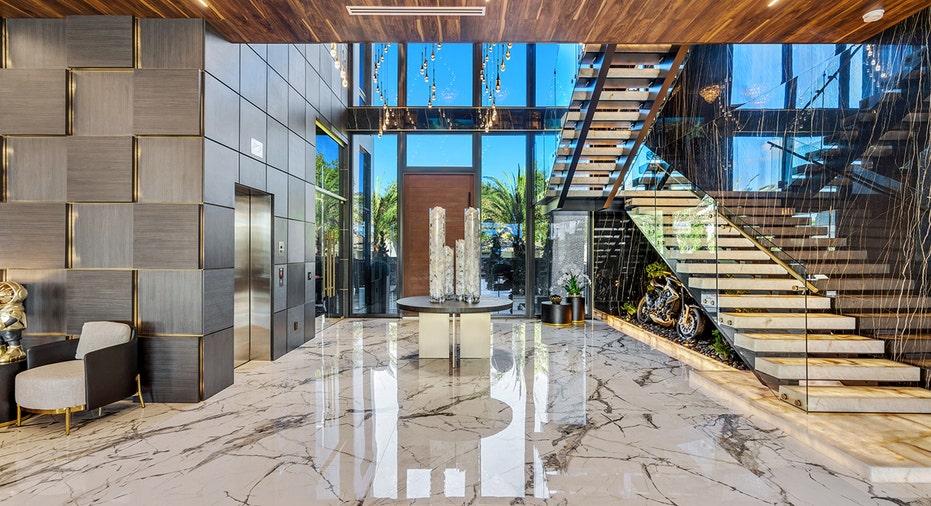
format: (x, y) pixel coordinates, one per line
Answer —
(378, 55)
(340, 59)
(428, 71)
(494, 56)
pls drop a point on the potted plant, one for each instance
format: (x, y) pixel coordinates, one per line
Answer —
(573, 280)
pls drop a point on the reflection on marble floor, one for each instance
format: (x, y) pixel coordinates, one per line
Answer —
(580, 415)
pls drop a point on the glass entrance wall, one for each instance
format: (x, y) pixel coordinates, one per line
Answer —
(329, 261)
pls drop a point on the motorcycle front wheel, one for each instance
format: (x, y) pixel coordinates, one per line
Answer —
(691, 323)
(642, 315)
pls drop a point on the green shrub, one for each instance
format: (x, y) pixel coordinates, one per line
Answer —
(720, 344)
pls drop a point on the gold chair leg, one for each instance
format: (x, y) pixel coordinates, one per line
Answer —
(67, 421)
(19, 416)
(139, 391)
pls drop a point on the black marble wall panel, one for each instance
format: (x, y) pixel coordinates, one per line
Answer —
(102, 236)
(37, 169)
(99, 41)
(102, 103)
(100, 169)
(171, 43)
(34, 235)
(171, 169)
(98, 295)
(35, 43)
(33, 102)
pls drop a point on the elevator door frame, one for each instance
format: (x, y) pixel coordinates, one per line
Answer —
(252, 302)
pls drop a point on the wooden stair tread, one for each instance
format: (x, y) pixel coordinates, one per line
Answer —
(773, 301)
(788, 321)
(857, 399)
(838, 369)
(811, 343)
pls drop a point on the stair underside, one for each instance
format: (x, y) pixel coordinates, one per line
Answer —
(789, 321)
(719, 268)
(839, 369)
(902, 321)
(857, 399)
(759, 342)
(883, 302)
(865, 284)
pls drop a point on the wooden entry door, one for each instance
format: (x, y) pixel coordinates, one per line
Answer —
(451, 191)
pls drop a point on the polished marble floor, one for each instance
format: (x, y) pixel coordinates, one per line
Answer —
(581, 415)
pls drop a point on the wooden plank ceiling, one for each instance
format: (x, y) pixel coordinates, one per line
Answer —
(595, 21)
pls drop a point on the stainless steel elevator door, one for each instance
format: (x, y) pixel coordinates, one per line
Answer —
(252, 302)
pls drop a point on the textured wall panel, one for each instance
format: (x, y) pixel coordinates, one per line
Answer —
(221, 171)
(33, 235)
(102, 236)
(260, 49)
(98, 295)
(278, 58)
(221, 59)
(45, 304)
(219, 231)
(310, 203)
(281, 236)
(309, 323)
(170, 302)
(310, 163)
(253, 80)
(251, 173)
(103, 103)
(218, 299)
(171, 169)
(276, 149)
(310, 242)
(279, 287)
(37, 168)
(251, 129)
(166, 102)
(170, 368)
(295, 327)
(277, 97)
(35, 43)
(171, 43)
(218, 362)
(279, 334)
(221, 113)
(296, 242)
(309, 283)
(296, 69)
(296, 147)
(295, 285)
(100, 169)
(277, 185)
(32, 102)
(99, 41)
(297, 113)
(312, 87)
(166, 236)
(296, 194)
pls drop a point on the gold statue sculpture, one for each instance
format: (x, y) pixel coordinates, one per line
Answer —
(12, 321)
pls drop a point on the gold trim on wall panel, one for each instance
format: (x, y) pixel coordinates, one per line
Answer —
(4, 45)
(137, 322)
(200, 234)
(201, 374)
(137, 41)
(69, 235)
(69, 101)
(135, 169)
(3, 169)
(338, 138)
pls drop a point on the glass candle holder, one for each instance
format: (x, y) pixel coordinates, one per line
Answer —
(460, 266)
(437, 242)
(473, 254)
(449, 265)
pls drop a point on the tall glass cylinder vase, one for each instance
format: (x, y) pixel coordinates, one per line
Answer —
(460, 269)
(449, 269)
(437, 254)
(473, 255)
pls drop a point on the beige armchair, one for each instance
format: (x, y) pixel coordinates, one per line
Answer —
(87, 373)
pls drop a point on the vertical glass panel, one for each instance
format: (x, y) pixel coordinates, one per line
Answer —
(757, 163)
(816, 66)
(857, 62)
(758, 77)
(439, 75)
(385, 74)
(505, 78)
(327, 240)
(544, 153)
(556, 70)
(504, 164)
(375, 229)
(439, 150)
(327, 162)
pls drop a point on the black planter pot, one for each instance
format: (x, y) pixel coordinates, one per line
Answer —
(578, 308)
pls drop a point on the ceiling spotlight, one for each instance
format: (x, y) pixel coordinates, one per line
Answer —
(204, 3)
(873, 15)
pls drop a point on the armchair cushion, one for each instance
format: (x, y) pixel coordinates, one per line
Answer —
(54, 386)
(97, 335)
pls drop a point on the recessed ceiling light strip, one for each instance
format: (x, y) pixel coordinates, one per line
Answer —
(374, 10)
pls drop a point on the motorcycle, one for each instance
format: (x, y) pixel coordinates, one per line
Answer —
(665, 304)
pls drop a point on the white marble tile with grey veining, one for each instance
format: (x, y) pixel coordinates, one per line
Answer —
(580, 415)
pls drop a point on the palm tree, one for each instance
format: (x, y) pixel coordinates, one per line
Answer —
(384, 218)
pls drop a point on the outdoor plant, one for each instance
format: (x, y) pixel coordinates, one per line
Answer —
(573, 280)
(630, 309)
(656, 270)
(720, 345)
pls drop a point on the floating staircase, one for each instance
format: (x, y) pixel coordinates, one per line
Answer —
(782, 323)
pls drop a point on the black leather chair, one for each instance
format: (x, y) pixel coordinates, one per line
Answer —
(100, 368)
